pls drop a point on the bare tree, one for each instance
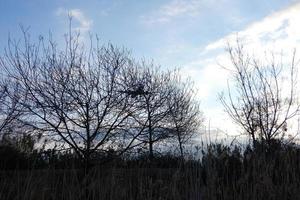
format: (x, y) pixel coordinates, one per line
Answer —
(184, 116)
(72, 95)
(165, 106)
(150, 87)
(96, 98)
(10, 108)
(261, 103)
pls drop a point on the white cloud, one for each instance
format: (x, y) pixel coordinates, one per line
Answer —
(280, 29)
(278, 33)
(209, 74)
(210, 79)
(84, 23)
(174, 9)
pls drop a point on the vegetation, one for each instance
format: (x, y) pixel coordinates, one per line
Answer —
(263, 103)
(222, 173)
(93, 100)
(94, 123)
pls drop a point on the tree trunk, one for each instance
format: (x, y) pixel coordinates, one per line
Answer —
(150, 133)
(150, 144)
(181, 150)
(180, 144)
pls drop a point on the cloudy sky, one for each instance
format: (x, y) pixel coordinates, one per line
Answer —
(187, 34)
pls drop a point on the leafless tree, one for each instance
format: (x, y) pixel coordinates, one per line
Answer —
(150, 87)
(72, 95)
(184, 116)
(10, 109)
(95, 98)
(165, 105)
(261, 102)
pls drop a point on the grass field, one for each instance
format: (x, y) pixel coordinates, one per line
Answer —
(222, 173)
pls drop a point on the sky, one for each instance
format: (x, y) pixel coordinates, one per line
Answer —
(186, 34)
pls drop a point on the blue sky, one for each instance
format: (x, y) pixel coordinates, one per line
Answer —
(161, 29)
(189, 34)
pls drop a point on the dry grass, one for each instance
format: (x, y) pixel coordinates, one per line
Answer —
(221, 174)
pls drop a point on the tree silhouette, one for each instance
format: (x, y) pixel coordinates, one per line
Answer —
(185, 116)
(261, 104)
(72, 95)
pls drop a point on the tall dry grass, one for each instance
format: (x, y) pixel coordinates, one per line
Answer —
(222, 173)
